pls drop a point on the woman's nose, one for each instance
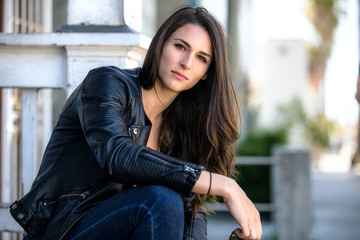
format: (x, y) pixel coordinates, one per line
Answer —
(186, 62)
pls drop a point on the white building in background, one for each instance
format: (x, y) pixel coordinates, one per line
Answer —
(285, 77)
(285, 21)
(285, 73)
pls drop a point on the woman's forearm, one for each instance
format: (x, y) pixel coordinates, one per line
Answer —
(220, 185)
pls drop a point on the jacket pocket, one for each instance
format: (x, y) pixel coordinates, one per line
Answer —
(48, 207)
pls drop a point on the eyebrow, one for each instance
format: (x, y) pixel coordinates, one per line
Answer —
(189, 46)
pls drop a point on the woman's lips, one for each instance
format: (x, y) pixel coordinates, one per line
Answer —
(179, 76)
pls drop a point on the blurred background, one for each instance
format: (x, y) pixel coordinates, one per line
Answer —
(295, 66)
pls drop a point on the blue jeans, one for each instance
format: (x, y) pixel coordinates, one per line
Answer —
(143, 212)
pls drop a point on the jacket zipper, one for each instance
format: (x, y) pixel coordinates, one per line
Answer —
(181, 169)
(82, 196)
(189, 169)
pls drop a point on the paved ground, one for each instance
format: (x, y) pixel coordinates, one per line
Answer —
(336, 198)
(336, 204)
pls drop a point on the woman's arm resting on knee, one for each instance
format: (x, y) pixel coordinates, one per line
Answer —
(239, 205)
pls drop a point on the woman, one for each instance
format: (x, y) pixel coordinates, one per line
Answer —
(127, 142)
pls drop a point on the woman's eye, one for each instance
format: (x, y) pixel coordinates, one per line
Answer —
(203, 59)
(180, 46)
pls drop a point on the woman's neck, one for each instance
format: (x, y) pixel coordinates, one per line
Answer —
(155, 101)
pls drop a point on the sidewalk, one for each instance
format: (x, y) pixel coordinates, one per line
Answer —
(336, 206)
(336, 200)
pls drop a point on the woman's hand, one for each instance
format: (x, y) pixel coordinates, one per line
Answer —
(239, 205)
(243, 211)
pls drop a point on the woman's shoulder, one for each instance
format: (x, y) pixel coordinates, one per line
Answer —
(112, 77)
(113, 71)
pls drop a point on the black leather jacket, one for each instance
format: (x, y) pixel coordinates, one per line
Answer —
(97, 149)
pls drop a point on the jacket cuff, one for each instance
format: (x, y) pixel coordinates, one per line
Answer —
(178, 175)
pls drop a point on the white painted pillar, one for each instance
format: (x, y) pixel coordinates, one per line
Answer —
(99, 12)
(81, 59)
(47, 15)
(8, 16)
(100, 16)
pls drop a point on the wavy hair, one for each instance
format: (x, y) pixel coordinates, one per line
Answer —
(200, 125)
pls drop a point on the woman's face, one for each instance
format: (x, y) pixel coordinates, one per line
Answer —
(185, 58)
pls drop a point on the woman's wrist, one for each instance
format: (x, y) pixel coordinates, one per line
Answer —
(220, 185)
(228, 188)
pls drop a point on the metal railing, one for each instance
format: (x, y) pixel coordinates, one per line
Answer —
(290, 186)
(251, 161)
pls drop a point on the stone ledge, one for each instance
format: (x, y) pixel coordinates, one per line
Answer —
(91, 28)
(76, 39)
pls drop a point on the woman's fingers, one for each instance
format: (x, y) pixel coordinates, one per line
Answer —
(245, 213)
(258, 228)
(246, 233)
(239, 234)
(248, 230)
(255, 228)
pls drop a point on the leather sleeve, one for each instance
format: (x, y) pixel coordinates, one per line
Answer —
(195, 228)
(103, 111)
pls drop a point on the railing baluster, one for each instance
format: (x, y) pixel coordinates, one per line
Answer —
(28, 135)
(23, 16)
(30, 18)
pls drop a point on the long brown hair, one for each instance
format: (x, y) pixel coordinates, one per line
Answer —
(200, 124)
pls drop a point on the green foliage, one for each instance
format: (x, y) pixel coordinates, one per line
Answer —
(318, 127)
(292, 112)
(324, 15)
(259, 142)
(255, 181)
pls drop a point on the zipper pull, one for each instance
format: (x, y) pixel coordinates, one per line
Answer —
(189, 169)
(180, 169)
(84, 194)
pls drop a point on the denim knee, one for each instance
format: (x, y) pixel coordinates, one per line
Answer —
(166, 202)
(162, 214)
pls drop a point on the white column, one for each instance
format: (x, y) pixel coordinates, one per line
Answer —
(47, 15)
(8, 16)
(81, 59)
(99, 12)
(6, 130)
